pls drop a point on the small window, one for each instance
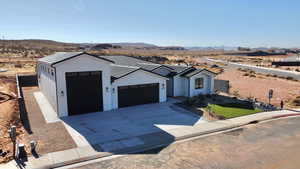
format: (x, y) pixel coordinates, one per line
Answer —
(199, 83)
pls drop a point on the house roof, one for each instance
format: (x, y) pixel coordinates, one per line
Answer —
(178, 68)
(131, 61)
(118, 71)
(194, 72)
(62, 56)
(124, 65)
(148, 66)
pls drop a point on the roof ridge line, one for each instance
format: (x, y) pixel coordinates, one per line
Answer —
(125, 66)
(149, 63)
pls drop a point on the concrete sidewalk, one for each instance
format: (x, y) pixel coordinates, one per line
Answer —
(9, 165)
(80, 154)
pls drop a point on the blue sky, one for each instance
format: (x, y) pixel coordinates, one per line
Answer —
(251, 23)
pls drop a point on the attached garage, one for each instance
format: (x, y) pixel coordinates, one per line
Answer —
(138, 94)
(78, 83)
(138, 87)
(84, 92)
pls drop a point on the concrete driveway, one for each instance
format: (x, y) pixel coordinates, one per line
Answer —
(128, 127)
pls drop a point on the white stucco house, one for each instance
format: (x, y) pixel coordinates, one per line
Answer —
(78, 82)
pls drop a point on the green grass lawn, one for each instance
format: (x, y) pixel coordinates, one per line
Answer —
(230, 112)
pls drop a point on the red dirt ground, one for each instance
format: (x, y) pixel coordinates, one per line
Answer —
(259, 86)
(9, 115)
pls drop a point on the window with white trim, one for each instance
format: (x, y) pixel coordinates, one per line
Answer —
(199, 83)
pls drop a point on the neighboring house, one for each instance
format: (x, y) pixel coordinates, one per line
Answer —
(78, 82)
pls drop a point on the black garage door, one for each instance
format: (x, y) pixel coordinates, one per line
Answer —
(138, 94)
(84, 92)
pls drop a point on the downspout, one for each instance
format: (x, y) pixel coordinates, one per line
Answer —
(172, 94)
(189, 87)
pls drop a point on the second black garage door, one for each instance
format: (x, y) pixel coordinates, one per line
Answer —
(138, 94)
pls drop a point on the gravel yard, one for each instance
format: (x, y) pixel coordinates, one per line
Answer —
(51, 137)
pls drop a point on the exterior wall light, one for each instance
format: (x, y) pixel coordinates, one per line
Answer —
(107, 89)
(163, 86)
(113, 90)
(62, 93)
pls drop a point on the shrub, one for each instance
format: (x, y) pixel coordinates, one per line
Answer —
(289, 78)
(246, 74)
(201, 97)
(243, 70)
(296, 101)
(236, 93)
(208, 96)
(252, 75)
(191, 101)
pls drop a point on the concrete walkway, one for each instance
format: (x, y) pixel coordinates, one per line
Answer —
(70, 156)
(49, 114)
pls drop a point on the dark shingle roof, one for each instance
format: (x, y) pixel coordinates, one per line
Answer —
(122, 64)
(61, 56)
(148, 66)
(58, 56)
(194, 72)
(131, 61)
(177, 68)
(119, 71)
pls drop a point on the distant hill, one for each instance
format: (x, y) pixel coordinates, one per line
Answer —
(135, 44)
(34, 48)
(212, 48)
(39, 44)
(126, 45)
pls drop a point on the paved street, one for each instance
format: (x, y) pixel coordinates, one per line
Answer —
(274, 144)
(263, 70)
